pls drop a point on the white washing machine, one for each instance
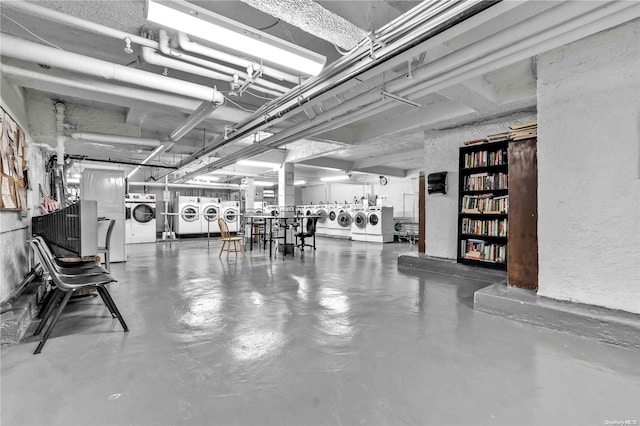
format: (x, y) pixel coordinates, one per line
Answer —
(380, 224)
(140, 222)
(359, 225)
(345, 220)
(323, 220)
(189, 221)
(211, 212)
(339, 221)
(231, 214)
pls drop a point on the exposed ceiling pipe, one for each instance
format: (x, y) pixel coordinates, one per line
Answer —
(153, 57)
(186, 44)
(114, 139)
(203, 111)
(339, 76)
(59, 106)
(260, 83)
(447, 71)
(18, 48)
(136, 97)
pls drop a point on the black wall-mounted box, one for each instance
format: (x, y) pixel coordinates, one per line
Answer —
(437, 183)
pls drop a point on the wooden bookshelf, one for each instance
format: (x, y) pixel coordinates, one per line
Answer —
(483, 205)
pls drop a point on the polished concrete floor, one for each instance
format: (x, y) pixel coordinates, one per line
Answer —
(339, 336)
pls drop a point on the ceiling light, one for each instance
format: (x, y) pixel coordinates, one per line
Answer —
(262, 183)
(299, 182)
(200, 22)
(71, 180)
(334, 178)
(253, 163)
(203, 111)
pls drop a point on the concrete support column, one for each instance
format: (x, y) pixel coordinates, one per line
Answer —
(286, 190)
(250, 194)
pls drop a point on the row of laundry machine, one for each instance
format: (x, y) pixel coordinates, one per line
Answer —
(199, 215)
(353, 221)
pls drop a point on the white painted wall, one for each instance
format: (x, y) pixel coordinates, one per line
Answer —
(442, 150)
(15, 229)
(589, 170)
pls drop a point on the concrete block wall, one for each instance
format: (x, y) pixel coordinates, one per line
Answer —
(15, 227)
(589, 170)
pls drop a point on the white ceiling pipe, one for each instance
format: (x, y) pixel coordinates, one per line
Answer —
(186, 185)
(166, 49)
(190, 46)
(153, 57)
(52, 15)
(18, 48)
(114, 139)
(136, 97)
(59, 107)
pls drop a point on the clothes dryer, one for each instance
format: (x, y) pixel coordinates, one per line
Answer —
(211, 212)
(359, 225)
(143, 218)
(189, 216)
(380, 224)
(231, 214)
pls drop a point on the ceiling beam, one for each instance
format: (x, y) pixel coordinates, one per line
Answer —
(331, 163)
(387, 159)
(383, 170)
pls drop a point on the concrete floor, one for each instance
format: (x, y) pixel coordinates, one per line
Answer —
(337, 337)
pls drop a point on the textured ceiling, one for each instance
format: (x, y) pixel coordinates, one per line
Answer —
(380, 138)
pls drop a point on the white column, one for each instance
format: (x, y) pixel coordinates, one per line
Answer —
(250, 194)
(286, 190)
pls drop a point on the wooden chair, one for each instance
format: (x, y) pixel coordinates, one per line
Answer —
(227, 239)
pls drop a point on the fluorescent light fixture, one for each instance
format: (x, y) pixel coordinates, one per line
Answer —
(254, 163)
(299, 182)
(210, 26)
(334, 178)
(262, 183)
(72, 180)
(203, 111)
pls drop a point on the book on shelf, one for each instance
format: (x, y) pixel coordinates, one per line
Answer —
(476, 141)
(485, 182)
(480, 250)
(485, 204)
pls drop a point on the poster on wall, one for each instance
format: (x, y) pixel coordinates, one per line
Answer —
(13, 165)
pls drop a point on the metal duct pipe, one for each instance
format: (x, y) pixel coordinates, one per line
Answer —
(186, 185)
(59, 106)
(260, 83)
(114, 139)
(136, 96)
(18, 48)
(189, 46)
